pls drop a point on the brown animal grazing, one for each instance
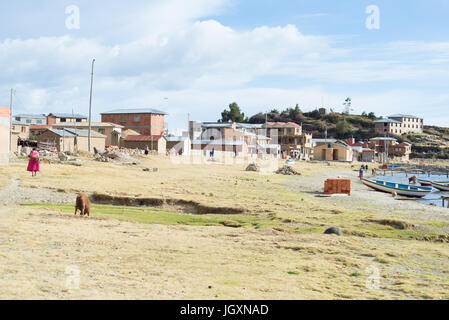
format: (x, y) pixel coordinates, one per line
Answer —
(413, 180)
(82, 204)
(373, 172)
(395, 194)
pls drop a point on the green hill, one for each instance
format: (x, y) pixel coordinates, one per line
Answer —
(433, 143)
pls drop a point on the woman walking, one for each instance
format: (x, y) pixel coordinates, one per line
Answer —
(33, 163)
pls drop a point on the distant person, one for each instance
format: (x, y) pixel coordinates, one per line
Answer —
(361, 172)
(33, 162)
(147, 150)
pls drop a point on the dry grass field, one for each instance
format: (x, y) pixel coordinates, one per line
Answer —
(213, 231)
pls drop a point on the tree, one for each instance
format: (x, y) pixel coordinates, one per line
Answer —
(347, 104)
(343, 128)
(233, 114)
(371, 115)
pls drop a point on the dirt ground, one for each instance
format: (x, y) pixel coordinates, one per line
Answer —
(46, 253)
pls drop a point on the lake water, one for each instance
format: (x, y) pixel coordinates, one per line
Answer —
(432, 198)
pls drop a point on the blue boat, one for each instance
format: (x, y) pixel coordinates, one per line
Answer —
(406, 190)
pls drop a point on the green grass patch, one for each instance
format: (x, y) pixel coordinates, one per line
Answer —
(166, 216)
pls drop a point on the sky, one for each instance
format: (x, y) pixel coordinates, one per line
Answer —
(192, 58)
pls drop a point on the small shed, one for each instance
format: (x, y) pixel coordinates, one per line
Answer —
(62, 140)
(154, 143)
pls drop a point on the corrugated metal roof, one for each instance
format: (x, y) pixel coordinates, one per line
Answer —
(35, 116)
(143, 138)
(67, 115)
(400, 115)
(86, 124)
(387, 120)
(174, 139)
(135, 111)
(84, 133)
(61, 133)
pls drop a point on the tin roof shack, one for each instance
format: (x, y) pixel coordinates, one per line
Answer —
(154, 143)
(179, 145)
(332, 150)
(112, 131)
(61, 140)
(5, 127)
(98, 141)
(362, 154)
(37, 129)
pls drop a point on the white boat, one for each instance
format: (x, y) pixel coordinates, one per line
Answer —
(406, 190)
(442, 186)
(428, 183)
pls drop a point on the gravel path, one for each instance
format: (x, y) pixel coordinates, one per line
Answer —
(14, 193)
(363, 198)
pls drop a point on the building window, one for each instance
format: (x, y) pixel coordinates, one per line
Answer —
(101, 131)
(28, 121)
(122, 119)
(137, 119)
(78, 120)
(39, 121)
(63, 120)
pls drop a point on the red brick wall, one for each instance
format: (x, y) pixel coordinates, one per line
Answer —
(148, 124)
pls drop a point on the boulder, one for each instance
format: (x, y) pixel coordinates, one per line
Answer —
(334, 230)
(253, 167)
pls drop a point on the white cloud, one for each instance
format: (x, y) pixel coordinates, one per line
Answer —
(203, 65)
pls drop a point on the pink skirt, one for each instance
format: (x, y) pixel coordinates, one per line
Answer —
(33, 165)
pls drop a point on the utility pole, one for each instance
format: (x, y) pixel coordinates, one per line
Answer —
(10, 120)
(90, 104)
(75, 144)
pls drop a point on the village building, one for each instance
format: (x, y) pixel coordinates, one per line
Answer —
(20, 134)
(332, 150)
(37, 129)
(55, 118)
(70, 140)
(237, 139)
(22, 129)
(291, 138)
(400, 124)
(388, 148)
(221, 149)
(56, 140)
(5, 138)
(179, 145)
(112, 131)
(154, 143)
(31, 118)
(147, 121)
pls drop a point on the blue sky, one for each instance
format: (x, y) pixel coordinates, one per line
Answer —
(204, 54)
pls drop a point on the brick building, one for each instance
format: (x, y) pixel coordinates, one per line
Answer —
(400, 124)
(148, 122)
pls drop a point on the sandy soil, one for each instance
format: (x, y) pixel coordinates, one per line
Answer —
(42, 250)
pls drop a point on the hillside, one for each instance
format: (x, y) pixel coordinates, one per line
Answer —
(433, 143)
